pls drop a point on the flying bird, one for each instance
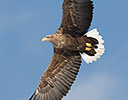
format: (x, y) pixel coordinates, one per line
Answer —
(71, 42)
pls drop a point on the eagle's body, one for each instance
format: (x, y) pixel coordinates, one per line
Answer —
(71, 42)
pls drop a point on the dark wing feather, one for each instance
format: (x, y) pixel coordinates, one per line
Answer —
(58, 78)
(77, 17)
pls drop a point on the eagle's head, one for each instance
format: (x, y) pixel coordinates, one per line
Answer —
(55, 39)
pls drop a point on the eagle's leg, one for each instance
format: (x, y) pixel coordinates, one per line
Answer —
(87, 45)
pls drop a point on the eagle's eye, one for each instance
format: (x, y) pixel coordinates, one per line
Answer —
(48, 36)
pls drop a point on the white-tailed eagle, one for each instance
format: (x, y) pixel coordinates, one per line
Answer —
(71, 42)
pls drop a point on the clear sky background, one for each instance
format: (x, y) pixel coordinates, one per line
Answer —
(24, 58)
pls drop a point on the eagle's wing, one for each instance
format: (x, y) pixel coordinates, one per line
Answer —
(77, 17)
(59, 76)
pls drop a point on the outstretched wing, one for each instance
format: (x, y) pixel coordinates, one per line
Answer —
(59, 76)
(77, 17)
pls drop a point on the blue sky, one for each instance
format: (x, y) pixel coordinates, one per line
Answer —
(23, 57)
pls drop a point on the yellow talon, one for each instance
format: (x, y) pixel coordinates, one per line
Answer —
(88, 49)
(89, 44)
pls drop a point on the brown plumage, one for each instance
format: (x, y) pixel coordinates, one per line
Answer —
(77, 17)
(69, 41)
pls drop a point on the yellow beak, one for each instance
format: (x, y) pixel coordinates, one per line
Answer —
(44, 39)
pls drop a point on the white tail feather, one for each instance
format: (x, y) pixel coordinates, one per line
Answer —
(99, 51)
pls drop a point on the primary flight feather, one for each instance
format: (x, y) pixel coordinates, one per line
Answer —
(71, 42)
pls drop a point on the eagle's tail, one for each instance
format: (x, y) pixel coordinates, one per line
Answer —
(98, 49)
